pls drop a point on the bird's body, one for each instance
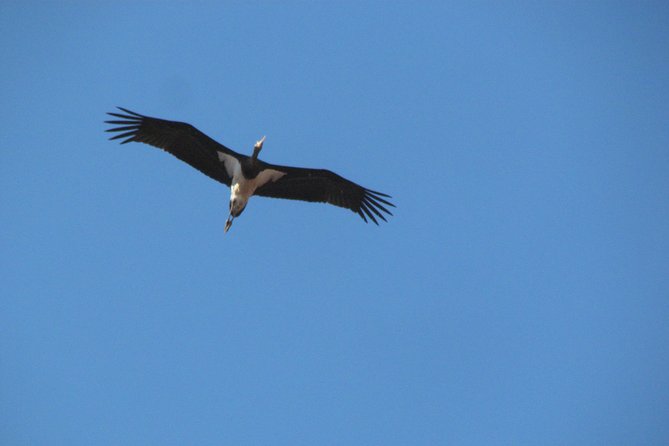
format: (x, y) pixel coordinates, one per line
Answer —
(248, 175)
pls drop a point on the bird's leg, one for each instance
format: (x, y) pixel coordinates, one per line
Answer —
(228, 222)
(258, 147)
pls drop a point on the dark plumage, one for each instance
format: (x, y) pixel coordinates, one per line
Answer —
(246, 173)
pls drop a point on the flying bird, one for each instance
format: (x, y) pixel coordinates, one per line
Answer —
(248, 175)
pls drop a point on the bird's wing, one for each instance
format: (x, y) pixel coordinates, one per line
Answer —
(178, 138)
(319, 185)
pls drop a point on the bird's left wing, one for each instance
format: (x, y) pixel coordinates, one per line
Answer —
(178, 138)
(320, 185)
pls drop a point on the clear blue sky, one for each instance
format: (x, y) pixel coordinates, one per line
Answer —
(520, 295)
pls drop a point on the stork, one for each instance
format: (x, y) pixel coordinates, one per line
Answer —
(248, 175)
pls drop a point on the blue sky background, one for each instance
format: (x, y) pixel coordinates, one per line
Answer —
(520, 295)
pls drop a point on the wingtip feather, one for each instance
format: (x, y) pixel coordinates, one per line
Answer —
(129, 112)
(364, 207)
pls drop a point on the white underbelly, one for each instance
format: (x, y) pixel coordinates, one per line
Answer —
(242, 189)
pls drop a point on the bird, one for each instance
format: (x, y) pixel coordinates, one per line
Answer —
(247, 175)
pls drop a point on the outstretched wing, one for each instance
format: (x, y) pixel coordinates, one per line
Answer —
(178, 138)
(319, 185)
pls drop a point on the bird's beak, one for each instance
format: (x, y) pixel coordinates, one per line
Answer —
(228, 223)
(260, 143)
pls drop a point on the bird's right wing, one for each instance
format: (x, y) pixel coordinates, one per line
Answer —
(178, 138)
(320, 185)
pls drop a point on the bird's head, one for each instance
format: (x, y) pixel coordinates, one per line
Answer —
(237, 206)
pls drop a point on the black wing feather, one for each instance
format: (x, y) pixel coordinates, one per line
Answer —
(320, 185)
(178, 138)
